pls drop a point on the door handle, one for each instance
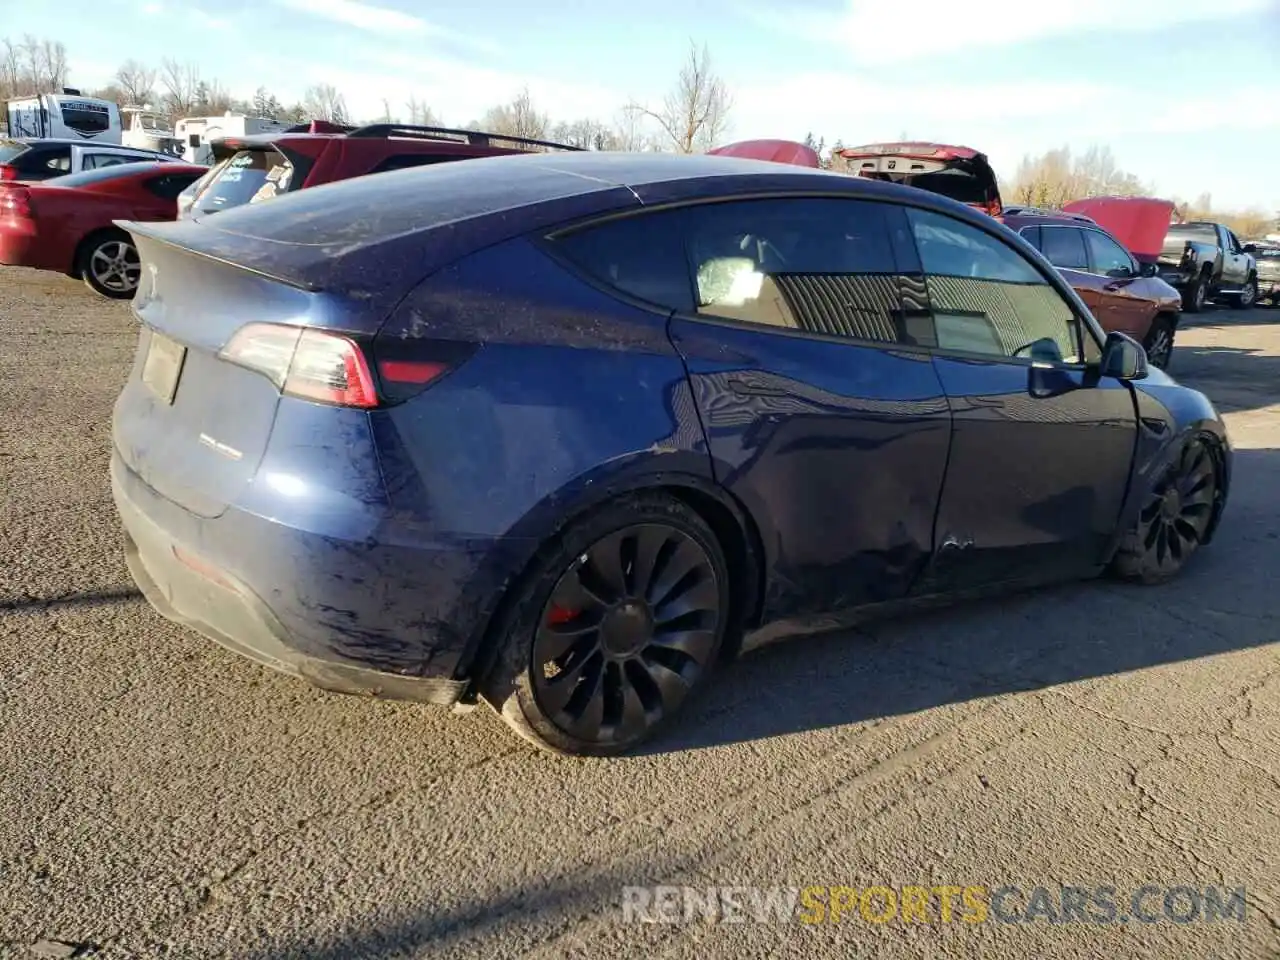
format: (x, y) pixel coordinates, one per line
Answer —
(745, 389)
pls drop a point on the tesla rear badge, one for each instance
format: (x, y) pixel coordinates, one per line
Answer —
(231, 453)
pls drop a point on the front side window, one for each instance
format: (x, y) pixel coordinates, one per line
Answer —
(99, 161)
(987, 298)
(1109, 258)
(1064, 248)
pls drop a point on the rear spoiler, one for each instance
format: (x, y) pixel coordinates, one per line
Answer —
(200, 240)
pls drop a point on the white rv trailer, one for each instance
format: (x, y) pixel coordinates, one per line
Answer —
(147, 129)
(196, 132)
(64, 116)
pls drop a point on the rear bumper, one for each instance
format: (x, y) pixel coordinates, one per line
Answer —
(17, 249)
(181, 577)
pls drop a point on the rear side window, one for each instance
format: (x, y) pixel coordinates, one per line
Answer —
(640, 255)
(1064, 247)
(249, 176)
(11, 149)
(44, 162)
(1032, 236)
(402, 161)
(818, 265)
(989, 299)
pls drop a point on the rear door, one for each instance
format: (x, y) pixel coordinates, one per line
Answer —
(1041, 447)
(808, 357)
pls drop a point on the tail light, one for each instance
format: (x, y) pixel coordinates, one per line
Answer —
(326, 367)
(8, 172)
(15, 202)
(310, 364)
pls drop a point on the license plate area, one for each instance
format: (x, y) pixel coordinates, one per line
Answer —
(163, 367)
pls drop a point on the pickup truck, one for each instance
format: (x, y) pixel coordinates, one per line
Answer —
(1205, 261)
(1268, 258)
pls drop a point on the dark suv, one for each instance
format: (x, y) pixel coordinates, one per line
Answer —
(252, 169)
(1125, 295)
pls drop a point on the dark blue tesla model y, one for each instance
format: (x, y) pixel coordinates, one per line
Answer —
(563, 432)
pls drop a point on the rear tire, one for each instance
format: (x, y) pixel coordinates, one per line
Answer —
(1159, 342)
(620, 620)
(1194, 299)
(1173, 520)
(1248, 295)
(109, 265)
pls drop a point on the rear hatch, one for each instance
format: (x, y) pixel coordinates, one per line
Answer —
(960, 173)
(192, 425)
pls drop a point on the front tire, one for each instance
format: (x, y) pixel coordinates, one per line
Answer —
(1173, 521)
(620, 621)
(110, 266)
(1159, 342)
(1248, 295)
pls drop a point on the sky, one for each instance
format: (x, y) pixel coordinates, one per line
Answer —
(1183, 91)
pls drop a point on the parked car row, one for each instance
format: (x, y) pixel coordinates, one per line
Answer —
(562, 433)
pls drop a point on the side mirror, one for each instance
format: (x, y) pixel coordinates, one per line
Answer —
(1123, 358)
(1148, 270)
(1250, 248)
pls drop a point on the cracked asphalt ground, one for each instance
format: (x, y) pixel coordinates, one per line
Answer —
(159, 796)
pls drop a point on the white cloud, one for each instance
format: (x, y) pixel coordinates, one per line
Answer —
(384, 20)
(861, 109)
(875, 32)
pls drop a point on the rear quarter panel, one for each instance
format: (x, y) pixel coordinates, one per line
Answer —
(573, 399)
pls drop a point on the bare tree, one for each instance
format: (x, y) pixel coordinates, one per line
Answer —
(1058, 177)
(585, 134)
(324, 102)
(629, 131)
(421, 115)
(180, 84)
(136, 82)
(519, 118)
(695, 114)
(32, 66)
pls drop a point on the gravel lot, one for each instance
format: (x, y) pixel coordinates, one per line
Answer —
(161, 796)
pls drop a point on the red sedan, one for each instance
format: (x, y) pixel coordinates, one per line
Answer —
(66, 224)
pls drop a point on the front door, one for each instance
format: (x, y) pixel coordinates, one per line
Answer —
(1128, 303)
(823, 411)
(1041, 447)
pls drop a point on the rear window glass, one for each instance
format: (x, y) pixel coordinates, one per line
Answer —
(10, 149)
(249, 176)
(1194, 231)
(101, 174)
(956, 184)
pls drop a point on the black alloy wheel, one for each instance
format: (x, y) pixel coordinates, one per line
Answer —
(1159, 345)
(631, 617)
(1174, 519)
